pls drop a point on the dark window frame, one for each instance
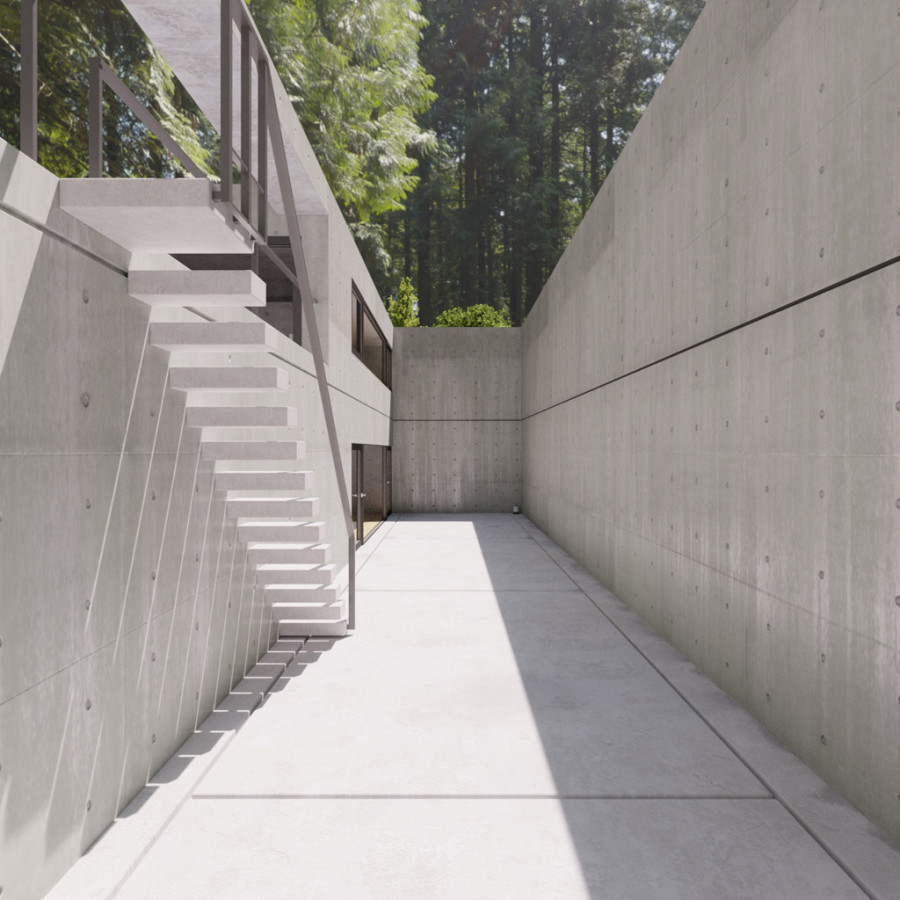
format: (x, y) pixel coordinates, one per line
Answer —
(362, 317)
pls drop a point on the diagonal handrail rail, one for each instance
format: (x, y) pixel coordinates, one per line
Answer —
(101, 74)
(252, 49)
(306, 300)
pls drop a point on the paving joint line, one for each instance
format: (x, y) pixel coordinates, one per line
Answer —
(762, 780)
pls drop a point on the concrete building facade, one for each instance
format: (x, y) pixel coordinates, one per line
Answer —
(702, 408)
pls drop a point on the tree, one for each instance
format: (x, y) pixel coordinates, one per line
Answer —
(352, 70)
(536, 98)
(403, 306)
(478, 316)
(69, 34)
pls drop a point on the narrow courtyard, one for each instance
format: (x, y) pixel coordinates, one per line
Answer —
(498, 726)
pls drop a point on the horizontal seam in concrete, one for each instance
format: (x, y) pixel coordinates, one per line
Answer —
(766, 315)
(40, 226)
(762, 780)
(457, 420)
(764, 797)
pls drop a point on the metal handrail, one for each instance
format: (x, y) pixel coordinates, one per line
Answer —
(28, 89)
(101, 74)
(269, 126)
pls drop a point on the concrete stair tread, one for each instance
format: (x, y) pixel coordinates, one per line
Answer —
(252, 450)
(306, 628)
(230, 337)
(263, 480)
(276, 507)
(301, 532)
(262, 553)
(228, 378)
(197, 288)
(293, 574)
(240, 416)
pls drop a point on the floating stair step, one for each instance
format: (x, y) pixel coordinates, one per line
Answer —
(288, 628)
(198, 289)
(252, 450)
(275, 507)
(294, 573)
(230, 337)
(241, 416)
(299, 594)
(269, 553)
(314, 612)
(228, 378)
(153, 215)
(263, 481)
(286, 532)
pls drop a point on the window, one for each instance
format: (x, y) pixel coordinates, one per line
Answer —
(369, 343)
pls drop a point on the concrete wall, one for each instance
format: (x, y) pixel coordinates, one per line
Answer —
(127, 608)
(456, 410)
(725, 462)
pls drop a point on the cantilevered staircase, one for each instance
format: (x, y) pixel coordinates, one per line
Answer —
(252, 445)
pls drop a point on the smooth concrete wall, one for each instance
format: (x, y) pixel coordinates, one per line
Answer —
(456, 419)
(727, 464)
(127, 608)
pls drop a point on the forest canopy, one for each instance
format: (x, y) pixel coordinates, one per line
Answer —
(463, 139)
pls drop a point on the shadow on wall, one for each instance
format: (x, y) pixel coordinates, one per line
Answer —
(127, 610)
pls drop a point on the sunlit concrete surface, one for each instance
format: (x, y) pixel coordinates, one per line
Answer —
(498, 726)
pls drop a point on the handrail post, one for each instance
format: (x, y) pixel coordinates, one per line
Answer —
(225, 142)
(28, 88)
(246, 114)
(95, 119)
(262, 153)
(315, 344)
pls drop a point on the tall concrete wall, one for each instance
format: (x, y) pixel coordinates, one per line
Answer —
(127, 608)
(726, 462)
(456, 411)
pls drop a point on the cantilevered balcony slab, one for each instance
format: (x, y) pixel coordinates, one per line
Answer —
(197, 289)
(153, 215)
(227, 337)
(228, 378)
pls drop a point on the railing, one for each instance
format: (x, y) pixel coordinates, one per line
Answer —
(252, 215)
(269, 133)
(101, 74)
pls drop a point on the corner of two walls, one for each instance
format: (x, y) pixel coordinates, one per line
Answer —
(456, 410)
(711, 379)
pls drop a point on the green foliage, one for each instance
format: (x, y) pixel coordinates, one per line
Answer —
(352, 70)
(403, 305)
(478, 316)
(70, 32)
(536, 100)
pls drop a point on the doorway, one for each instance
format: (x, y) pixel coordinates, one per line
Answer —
(370, 488)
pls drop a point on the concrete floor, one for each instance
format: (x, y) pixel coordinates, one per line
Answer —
(498, 726)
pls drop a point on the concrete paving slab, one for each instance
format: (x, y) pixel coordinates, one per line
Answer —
(521, 743)
(459, 564)
(668, 850)
(452, 526)
(481, 698)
